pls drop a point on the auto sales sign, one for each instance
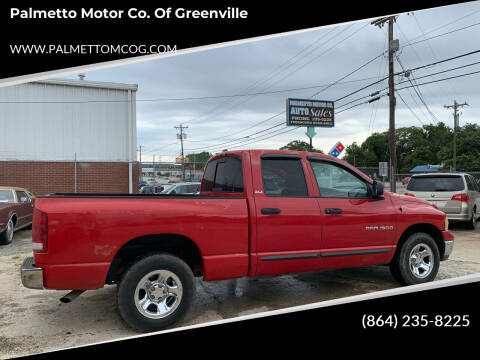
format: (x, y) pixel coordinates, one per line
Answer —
(306, 112)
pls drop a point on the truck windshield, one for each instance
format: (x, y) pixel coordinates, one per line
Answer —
(6, 196)
(436, 183)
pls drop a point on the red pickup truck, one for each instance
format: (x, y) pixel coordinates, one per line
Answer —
(259, 212)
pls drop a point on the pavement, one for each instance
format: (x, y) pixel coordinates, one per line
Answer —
(33, 321)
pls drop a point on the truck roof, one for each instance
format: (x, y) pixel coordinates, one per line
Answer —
(303, 154)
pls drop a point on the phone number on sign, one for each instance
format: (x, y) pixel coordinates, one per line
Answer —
(414, 321)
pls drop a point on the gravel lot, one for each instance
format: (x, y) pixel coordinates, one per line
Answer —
(33, 321)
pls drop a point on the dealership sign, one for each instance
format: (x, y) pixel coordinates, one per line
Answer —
(305, 112)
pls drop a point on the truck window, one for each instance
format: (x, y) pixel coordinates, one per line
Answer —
(224, 175)
(336, 182)
(284, 177)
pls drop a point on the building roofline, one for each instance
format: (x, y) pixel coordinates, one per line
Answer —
(91, 84)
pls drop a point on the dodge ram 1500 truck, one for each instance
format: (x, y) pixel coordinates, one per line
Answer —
(259, 212)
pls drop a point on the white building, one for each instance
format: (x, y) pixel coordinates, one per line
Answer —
(46, 125)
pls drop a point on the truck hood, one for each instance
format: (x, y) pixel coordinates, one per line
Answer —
(400, 199)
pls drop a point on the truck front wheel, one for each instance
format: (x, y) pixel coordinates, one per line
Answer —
(155, 292)
(417, 261)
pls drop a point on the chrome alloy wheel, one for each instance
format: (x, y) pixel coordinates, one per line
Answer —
(421, 261)
(158, 294)
(9, 230)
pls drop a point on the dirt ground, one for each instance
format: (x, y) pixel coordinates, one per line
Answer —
(33, 321)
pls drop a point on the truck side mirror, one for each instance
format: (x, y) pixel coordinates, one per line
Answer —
(377, 190)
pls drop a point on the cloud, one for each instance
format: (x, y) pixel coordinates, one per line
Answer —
(309, 59)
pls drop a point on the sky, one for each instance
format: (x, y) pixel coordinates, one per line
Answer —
(312, 60)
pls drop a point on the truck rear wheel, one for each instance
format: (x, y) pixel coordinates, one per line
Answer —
(155, 292)
(417, 261)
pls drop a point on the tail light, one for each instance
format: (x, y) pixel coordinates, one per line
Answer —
(461, 197)
(409, 194)
(40, 231)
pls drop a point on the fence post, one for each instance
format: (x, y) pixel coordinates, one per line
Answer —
(75, 174)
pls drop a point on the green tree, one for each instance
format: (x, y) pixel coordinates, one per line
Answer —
(299, 145)
(468, 149)
(375, 148)
(198, 160)
(355, 155)
(429, 144)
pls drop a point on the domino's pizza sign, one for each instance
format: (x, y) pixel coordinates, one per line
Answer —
(337, 149)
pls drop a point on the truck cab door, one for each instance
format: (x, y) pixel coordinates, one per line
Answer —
(288, 220)
(358, 230)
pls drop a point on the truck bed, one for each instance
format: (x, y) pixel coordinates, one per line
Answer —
(85, 231)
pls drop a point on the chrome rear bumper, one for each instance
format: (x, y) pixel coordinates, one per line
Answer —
(32, 276)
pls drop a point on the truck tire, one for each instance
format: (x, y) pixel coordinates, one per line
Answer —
(417, 261)
(6, 236)
(156, 292)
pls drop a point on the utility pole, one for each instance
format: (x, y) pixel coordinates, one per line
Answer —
(393, 46)
(455, 125)
(140, 150)
(182, 136)
(153, 165)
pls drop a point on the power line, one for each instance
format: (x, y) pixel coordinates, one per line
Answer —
(361, 98)
(418, 92)
(411, 86)
(250, 141)
(295, 70)
(444, 79)
(409, 108)
(258, 93)
(332, 84)
(274, 72)
(194, 98)
(318, 56)
(405, 81)
(441, 72)
(440, 35)
(430, 47)
(373, 114)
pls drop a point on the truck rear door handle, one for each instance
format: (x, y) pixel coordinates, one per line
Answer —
(270, 211)
(333, 211)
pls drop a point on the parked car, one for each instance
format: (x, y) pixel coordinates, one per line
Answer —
(186, 188)
(405, 180)
(151, 181)
(153, 247)
(16, 210)
(152, 189)
(456, 194)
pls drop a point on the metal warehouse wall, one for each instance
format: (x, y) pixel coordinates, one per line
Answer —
(54, 119)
